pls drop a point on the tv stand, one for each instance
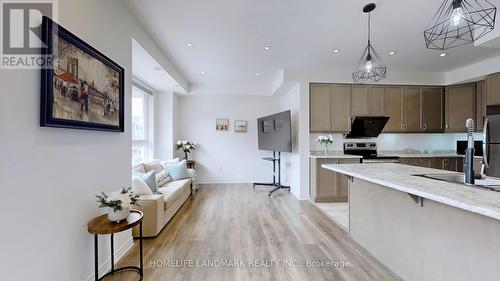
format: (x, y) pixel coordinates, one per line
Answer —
(276, 184)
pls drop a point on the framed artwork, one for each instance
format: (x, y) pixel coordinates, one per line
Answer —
(222, 124)
(278, 124)
(82, 89)
(268, 126)
(240, 126)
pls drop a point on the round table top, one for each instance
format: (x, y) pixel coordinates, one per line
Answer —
(101, 224)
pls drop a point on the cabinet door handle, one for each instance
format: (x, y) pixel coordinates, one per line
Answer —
(446, 126)
(425, 126)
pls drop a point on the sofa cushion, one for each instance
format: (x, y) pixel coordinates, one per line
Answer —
(178, 171)
(140, 187)
(139, 169)
(173, 190)
(173, 161)
(153, 165)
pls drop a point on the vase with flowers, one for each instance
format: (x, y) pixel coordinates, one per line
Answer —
(326, 141)
(118, 203)
(186, 147)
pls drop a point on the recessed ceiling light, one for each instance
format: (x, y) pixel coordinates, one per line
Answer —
(267, 48)
(158, 68)
(257, 74)
(189, 45)
(336, 51)
(442, 55)
(392, 53)
(203, 73)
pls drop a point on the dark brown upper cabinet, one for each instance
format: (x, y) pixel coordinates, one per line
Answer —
(460, 104)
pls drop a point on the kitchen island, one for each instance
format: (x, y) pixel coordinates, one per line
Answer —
(420, 228)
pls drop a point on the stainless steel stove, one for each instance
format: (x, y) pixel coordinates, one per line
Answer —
(369, 152)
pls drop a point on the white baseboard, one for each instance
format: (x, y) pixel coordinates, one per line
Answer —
(106, 266)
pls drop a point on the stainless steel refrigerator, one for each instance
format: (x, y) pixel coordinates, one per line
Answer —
(491, 141)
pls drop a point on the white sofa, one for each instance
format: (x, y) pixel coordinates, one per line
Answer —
(159, 208)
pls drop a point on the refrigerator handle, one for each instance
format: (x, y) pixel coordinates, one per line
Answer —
(486, 135)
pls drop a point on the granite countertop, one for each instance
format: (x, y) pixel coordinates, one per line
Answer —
(400, 177)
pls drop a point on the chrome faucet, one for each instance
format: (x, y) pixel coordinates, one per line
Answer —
(469, 152)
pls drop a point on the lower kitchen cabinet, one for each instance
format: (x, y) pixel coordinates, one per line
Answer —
(441, 163)
(328, 186)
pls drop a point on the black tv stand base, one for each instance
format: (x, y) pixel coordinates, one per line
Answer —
(275, 185)
(276, 174)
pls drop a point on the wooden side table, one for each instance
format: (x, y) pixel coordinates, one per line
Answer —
(101, 226)
(191, 164)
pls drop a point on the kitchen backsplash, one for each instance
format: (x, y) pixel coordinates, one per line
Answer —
(422, 143)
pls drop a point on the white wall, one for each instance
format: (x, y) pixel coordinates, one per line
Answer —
(165, 125)
(226, 156)
(473, 72)
(49, 176)
(290, 170)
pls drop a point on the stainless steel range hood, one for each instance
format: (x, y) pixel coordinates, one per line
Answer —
(366, 126)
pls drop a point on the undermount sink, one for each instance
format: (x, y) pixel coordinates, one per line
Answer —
(482, 183)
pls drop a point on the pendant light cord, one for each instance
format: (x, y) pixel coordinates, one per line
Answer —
(369, 31)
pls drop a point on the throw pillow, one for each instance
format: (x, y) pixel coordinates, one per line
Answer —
(150, 179)
(173, 161)
(177, 171)
(162, 178)
(153, 165)
(140, 187)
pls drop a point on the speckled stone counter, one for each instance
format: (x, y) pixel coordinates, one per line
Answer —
(400, 177)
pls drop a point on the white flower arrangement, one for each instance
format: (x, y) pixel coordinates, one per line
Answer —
(325, 140)
(186, 146)
(118, 200)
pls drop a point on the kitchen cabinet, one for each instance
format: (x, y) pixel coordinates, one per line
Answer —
(441, 163)
(320, 111)
(480, 104)
(393, 108)
(367, 100)
(414, 161)
(460, 104)
(411, 109)
(451, 164)
(432, 109)
(493, 89)
(329, 108)
(326, 185)
(340, 103)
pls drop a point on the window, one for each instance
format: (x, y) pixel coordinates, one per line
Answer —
(142, 124)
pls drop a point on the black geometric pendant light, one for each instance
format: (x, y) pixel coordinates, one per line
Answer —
(459, 22)
(370, 67)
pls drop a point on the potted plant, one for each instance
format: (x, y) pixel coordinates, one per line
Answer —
(326, 141)
(186, 147)
(118, 203)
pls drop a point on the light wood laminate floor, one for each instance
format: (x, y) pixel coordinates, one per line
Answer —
(272, 239)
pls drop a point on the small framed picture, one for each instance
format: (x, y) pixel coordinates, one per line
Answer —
(240, 126)
(222, 124)
(268, 126)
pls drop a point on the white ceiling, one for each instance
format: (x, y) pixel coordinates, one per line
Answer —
(229, 37)
(147, 69)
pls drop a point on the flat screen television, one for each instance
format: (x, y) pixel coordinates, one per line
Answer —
(275, 132)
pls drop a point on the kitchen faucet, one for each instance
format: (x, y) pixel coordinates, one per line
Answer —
(469, 152)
